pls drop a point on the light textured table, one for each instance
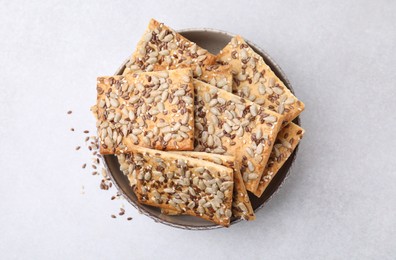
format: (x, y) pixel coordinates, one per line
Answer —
(340, 199)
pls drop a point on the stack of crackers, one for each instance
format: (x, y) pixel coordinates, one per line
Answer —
(194, 131)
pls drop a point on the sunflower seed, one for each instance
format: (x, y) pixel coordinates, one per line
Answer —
(289, 100)
(210, 141)
(252, 98)
(228, 213)
(198, 70)
(147, 37)
(281, 108)
(210, 129)
(240, 132)
(213, 102)
(136, 131)
(147, 176)
(167, 137)
(259, 149)
(249, 151)
(271, 82)
(226, 184)
(168, 38)
(253, 110)
(166, 129)
(162, 124)
(134, 99)
(215, 111)
(188, 100)
(152, 60)
(250, 166)
(269, 91)
(214, 119)
(260, 101)
(114, 102)
(207, 97)
(219, 150)
(242, 207)
(256, 77)
(227, 128)
(154, 111)
(244, 54)
(183, 130)
(134, 138)
(179, 93)
(241, 77)
(270, 119)
(169, 190)
(286, 144)
(252, 176)
(277, 90)
(201, 58)
(164, 96)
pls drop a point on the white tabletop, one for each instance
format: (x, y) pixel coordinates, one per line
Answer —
(340, 199)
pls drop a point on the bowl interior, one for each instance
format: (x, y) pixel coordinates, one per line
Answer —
(213, 41)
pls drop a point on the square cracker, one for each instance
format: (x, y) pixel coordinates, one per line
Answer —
(163, 48)
(231, 125)
(286, 141)
(254, 80)
(241, 206)
(190, 186)
(152, 109)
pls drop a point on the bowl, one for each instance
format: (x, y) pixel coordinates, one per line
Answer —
(213, 41)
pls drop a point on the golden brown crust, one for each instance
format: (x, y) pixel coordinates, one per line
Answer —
(162, 48)
(151, 109)
(228, 124)
(286, 141)
(254, 80)
(184, 184)
(241, 206)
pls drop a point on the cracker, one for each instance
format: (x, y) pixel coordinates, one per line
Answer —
(216, 75)
(231, 125)
(286, 141)
(152, 109)
(254, 80)
(163, 48)
(184, 184)
(241, 206)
